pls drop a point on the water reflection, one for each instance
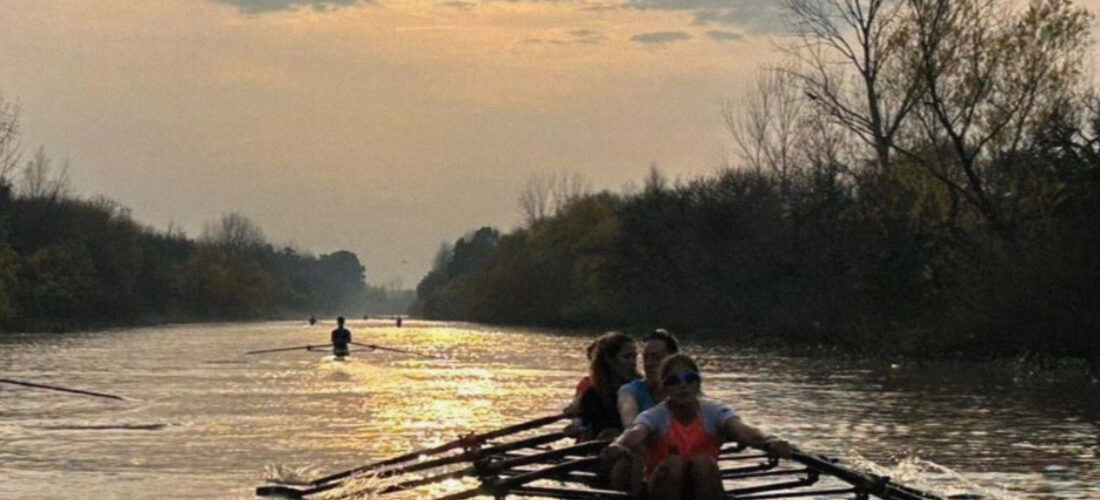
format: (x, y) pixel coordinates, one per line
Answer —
(208, 423)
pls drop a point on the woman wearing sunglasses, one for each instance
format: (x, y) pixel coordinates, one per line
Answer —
(683, 436)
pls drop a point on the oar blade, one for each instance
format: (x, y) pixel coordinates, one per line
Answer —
(278, 492)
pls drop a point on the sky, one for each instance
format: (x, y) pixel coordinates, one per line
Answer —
(383, 127)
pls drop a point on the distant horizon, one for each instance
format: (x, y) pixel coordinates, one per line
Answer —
(381, 127)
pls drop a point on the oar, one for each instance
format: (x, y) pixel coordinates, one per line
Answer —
(501, 487)
(477, 469)
(62, 389)
(879, 486)
(394, 349)
(462, 442)
(284, 491)
(306, 347)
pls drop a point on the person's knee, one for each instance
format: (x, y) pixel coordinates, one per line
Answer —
(703, 465)
(670, 470)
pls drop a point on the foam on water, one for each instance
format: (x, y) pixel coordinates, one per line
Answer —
(930, 477)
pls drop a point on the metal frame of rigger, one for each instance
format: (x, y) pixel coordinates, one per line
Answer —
(528, 467)
(794, 482)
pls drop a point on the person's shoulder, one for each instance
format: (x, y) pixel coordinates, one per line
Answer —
(717, 408)
(633, 386)
(656, 417)
(656, 410)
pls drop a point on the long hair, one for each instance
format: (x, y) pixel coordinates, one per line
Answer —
(604, 376)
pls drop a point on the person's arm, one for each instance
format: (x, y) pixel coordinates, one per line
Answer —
(628, 407)
(626, 442)
(574, 407)
(743, 433)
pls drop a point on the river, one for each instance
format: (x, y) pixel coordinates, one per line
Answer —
(205, 421)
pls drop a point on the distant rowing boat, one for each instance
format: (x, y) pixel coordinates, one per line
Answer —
(543, 466)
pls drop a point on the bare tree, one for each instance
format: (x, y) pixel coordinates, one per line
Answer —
(234, 231)
(39, 182)
(534, 200)
(10, 146)
(988, 73)
(567, 189)
(852, 63)
(549, 193)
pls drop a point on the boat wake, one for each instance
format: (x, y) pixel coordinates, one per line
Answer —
(934, 478)
(284, 474)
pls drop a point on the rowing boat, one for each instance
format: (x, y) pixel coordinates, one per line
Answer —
(549, 466)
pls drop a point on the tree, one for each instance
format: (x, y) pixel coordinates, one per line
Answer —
(548, 194)
(988, 73)
(853, 66)
(776, 132)
(38, 182)
(234, 231)
(10, 146)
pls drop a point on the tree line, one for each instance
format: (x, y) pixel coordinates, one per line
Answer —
(71, 262)
(918, 177)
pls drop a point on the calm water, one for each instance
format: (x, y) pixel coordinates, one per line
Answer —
(207, 422)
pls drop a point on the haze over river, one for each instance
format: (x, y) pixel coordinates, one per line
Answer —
(206, 421)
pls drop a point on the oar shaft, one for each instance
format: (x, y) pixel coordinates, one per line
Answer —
(295, 348)
(877, 485)
(496, 467)
(504, 485)
(452, 445)
(483, 452)
(62, 389)
(394, 349)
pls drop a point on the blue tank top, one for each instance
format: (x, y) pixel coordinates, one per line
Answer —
(640, 392)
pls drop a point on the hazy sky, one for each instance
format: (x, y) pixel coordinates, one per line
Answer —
(383, 127)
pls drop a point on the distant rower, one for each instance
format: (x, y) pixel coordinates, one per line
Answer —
(399, 321)
(313, 320)
(341, 337)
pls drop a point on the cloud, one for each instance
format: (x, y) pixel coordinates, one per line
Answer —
(586, 36)
(660, 37)
(464, 5)
(580, 35)
(757, 16)
(724, 36)
(261, 6)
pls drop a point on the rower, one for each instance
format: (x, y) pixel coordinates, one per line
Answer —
(681, 437)
(639, 395)
(341, 337)
(399, 321)
(312, 320)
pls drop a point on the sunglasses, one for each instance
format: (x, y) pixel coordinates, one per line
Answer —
(682, 378)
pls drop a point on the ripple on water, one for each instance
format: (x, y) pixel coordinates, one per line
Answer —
(226, 423)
